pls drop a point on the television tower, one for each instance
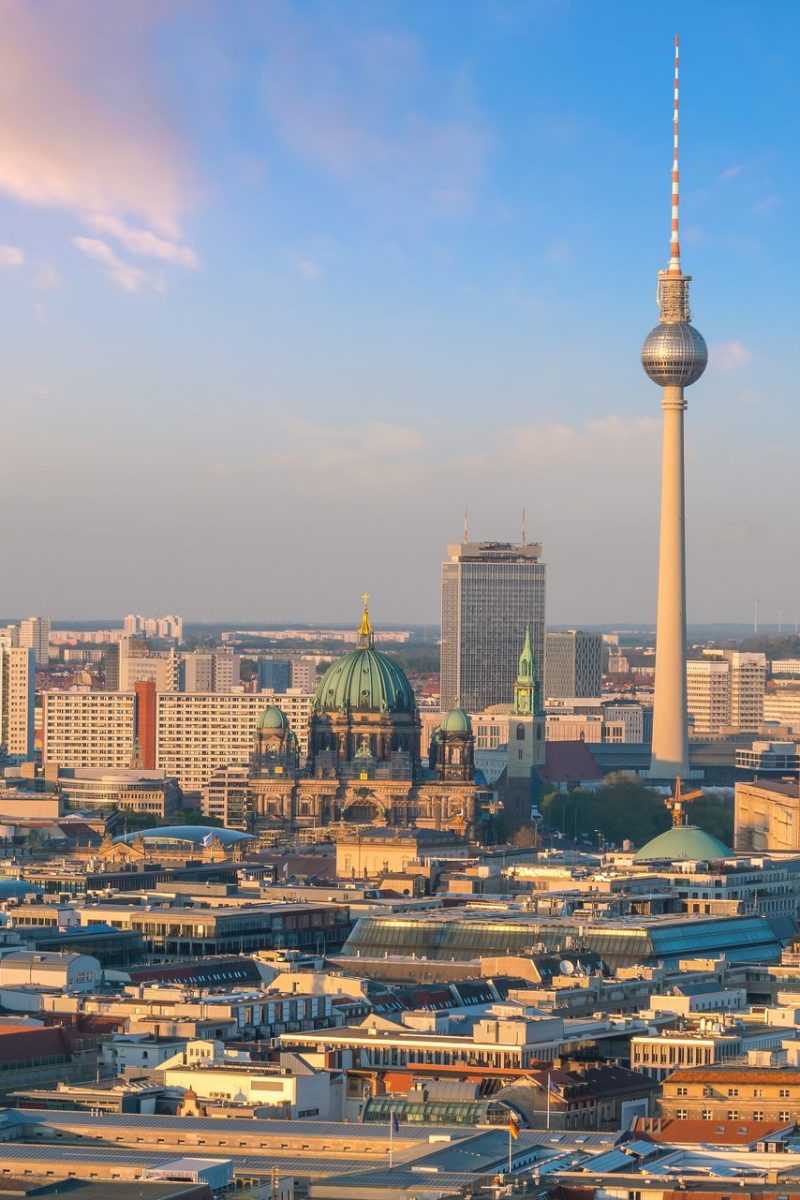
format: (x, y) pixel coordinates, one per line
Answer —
(674, 355)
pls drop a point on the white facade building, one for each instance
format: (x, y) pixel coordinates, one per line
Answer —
(89, 729)
(17, 679)
(199, 732)
(34, 634)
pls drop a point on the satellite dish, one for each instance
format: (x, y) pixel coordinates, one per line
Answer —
(566, 967)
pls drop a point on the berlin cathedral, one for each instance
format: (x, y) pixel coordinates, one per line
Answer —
(366, 765)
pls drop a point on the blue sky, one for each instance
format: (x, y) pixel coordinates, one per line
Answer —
(285, 286)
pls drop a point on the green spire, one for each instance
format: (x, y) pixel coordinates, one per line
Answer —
(525, 686)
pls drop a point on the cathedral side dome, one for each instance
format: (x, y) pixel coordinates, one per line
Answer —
(365, 680)
(272, 718)
(456, 721)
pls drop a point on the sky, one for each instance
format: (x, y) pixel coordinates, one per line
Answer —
(284, 286)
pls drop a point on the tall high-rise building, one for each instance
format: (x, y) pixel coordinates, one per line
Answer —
(748, 684)
(211, 671)
(17, 678)
(674, 355)
(726, 691)
(274, 674)
(573, 664)
(89, 729)
(708, 695)
(492, 592)
(34, 634)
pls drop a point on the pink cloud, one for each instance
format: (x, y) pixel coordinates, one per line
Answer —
(83, 126)
(126, 276)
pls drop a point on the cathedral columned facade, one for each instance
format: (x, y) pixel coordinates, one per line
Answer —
(365, 764)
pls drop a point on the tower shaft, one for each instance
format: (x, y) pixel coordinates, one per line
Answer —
(670, 753)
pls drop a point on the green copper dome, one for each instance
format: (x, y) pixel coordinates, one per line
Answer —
(273, 718)
(456, 721)
(683, 842)
(364, 680)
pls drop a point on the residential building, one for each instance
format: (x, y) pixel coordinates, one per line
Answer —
(34, 634)
(725, 691)
(491, 593)
(199, 733)
(89, 729)
(17, 678)
(573, 664)
(303, 674)
(168, 627)
(211, 671)
(748, 684)
(138, 663)
(708, 696)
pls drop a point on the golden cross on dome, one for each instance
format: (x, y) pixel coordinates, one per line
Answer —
(365, 631)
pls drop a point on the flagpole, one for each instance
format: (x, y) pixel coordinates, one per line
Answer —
(391, 1140)
(548, 1101)
(509, 1150)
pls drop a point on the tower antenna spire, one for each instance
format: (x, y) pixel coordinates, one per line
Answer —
(524, 528)
(674, 244)
(466, 526)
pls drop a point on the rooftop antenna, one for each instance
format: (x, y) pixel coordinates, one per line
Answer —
(524, 530)
(675, 245)
(756, 603)
(466, 525)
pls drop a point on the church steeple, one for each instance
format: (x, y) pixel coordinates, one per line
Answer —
(525, 698)
(366, 634)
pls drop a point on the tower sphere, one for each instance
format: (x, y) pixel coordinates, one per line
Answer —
(674, 354)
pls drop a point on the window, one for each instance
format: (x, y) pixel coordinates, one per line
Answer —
(783, 1093)
(733, 1091)
(682, 1091)
(707, 1114)
(681, 1114)
(733, 1114)
(758, 1115)
(784, 1116)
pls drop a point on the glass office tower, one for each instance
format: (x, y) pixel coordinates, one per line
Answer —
(491, 593)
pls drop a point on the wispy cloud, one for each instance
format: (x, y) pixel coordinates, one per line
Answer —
(144, 242)
(11, 256)
(126, 276)
(731, 172)
(730, 356)
(308, 268)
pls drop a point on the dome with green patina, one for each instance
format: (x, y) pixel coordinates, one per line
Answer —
(683, 843)
(273, 719)
(365, 680)
(456, 721)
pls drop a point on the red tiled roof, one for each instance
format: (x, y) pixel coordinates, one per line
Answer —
(17, 1043)
(735, 1075)
(568, 762)
(716, 1133)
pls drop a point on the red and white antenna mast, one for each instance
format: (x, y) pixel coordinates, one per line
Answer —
(466, 526)
(674, 244)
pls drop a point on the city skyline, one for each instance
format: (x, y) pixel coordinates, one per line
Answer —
(425, 215)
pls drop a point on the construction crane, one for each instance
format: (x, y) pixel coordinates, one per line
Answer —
(676, 801)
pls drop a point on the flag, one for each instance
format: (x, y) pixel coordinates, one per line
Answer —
(553, 1088)
(395, 1123)
(513, 1126)
(207, 839)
